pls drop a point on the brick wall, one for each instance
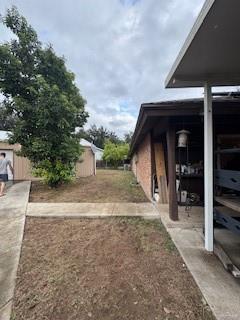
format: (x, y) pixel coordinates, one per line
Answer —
(141, 166)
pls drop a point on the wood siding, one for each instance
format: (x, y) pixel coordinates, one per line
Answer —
(22, 166)
(86, 166)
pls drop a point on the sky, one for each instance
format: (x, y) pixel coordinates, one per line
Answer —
(120, 50)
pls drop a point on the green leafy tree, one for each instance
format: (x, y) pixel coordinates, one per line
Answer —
(7, 121)
(123, 150)
(99, 135)
(114, 138)
(115, 153)
(42, 98)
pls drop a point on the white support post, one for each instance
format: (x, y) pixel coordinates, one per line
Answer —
(208, 167)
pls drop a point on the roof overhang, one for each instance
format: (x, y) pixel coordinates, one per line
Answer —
(151, 114)
(211, 51)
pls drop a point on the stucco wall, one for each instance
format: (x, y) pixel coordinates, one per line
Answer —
(141, 165)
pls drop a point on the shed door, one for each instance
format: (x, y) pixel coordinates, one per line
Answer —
(9, 156)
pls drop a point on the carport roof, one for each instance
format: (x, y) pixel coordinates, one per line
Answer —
(211, 51)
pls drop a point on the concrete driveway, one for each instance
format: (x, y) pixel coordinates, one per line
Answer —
(12, 218)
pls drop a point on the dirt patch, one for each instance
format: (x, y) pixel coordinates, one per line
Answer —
(106, 186)
(103, 269)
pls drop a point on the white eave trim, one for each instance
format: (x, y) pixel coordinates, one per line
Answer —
(202, 15)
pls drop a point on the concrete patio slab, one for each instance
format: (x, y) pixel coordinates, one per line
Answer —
(12, 218)
(187, 220)
(220, 289)
(92, 210)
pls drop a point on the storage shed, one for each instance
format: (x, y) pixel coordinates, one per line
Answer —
(87, 163)
(86, 166)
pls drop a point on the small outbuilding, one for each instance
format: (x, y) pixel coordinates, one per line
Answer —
(87, 163)
(86, 166)
(21, 165)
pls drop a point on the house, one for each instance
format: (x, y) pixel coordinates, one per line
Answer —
(158, 162)
(98, 153)
(187, 151)
(22, 168)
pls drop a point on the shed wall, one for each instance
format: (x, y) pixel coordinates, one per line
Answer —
(86, 166)
(22, 166)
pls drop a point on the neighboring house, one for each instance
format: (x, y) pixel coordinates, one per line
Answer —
(22, 168)
(98, 153)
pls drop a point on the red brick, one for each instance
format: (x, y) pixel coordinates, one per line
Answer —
(142, 167)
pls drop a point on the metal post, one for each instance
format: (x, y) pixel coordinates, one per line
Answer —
(208, 167)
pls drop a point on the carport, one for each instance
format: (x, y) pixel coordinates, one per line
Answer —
(209, 58)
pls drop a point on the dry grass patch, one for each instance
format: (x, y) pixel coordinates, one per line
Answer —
(106, 186)
(108, 269)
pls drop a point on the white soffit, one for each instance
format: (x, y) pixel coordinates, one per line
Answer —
(211, 52)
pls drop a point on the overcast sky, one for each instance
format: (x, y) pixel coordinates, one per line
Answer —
(120, 50)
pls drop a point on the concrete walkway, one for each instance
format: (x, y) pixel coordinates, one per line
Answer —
(220, 289)
(12, 218)
(91, 210)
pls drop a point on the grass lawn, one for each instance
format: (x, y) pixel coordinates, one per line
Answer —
(103, 269)
(106, 186)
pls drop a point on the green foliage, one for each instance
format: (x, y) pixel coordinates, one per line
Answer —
(100, 135)
(42, 98)
(7, 121)
(54, 173)
(115, 153)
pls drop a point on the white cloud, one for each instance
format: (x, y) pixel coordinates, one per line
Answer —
(120, 50)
